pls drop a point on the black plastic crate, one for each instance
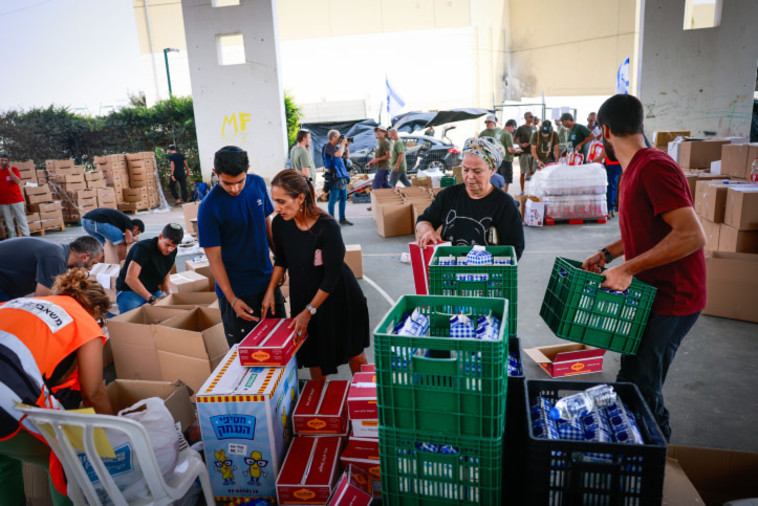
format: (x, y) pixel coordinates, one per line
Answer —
(562, 472)
(514, 455)
(361, 198)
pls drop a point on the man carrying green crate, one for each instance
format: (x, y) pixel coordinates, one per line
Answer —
(662, 242)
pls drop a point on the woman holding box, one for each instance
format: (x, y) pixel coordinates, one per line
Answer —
(326, 301)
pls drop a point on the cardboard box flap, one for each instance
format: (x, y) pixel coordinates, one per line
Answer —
(677, 487)
(176, 395)
(188, 299)
(310, 398)
(231, 378)
(194, 333)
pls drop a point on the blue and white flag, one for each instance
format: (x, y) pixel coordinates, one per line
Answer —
(394, 102)
(622, 78)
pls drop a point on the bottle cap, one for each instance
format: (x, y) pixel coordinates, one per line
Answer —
(555, 414)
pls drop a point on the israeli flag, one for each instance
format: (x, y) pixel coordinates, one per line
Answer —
(622, 78)
(394, 102)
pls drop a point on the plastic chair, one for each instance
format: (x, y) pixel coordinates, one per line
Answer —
(189, 465)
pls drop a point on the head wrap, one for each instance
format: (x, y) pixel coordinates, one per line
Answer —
(486, 148)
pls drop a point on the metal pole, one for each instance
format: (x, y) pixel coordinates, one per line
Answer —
(168, 73)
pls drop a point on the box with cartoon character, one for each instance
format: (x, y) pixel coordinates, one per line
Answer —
(245, 421)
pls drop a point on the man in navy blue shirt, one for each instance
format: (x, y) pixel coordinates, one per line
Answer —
(235, 229)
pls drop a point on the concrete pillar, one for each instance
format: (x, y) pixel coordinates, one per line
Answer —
(240, 104)
(700, 80)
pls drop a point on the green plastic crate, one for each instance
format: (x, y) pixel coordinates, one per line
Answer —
(460, 389)
(502, 279)
(447, 181)
(413, 476)
(577, 309)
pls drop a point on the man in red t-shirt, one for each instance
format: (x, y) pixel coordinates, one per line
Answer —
(11, 199)
(662, 242)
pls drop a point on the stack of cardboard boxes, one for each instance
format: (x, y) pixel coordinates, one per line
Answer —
(396, 211)
(115, 174)
(142, 180)
(68, 184)
(42, 212)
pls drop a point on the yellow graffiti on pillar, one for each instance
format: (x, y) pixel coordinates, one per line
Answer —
(244, 119)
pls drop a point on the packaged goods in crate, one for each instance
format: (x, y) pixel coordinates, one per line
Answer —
(419, 468)
(450, 273)
(245, 420)
(575, 206)
(441, 383)
(577, 308)
(560, 180)
(611, 455)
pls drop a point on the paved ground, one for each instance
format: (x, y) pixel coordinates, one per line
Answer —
(709, 392)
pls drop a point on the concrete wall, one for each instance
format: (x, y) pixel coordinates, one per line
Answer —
(241, 104)
(569, 48)
(700, 80)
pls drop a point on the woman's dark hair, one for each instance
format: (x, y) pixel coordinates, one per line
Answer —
(231, 160)
(295, 184)
(622, 114)
(77, 284)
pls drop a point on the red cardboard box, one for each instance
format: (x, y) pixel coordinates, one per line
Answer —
(361, 399)
(420, 262)
(567, 359)
(353, 488)
(271, 343)
(322, 408)
(364, 453)
(309, 471)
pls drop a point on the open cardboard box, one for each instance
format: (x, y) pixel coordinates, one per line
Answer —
(567, 359)
(190, 345)
(176, 396)
(131, 337)
(189, 300)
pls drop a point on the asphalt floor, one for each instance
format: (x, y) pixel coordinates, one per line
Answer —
(709, 391)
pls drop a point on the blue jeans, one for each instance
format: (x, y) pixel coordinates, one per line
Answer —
(613, 171)
(401, 176)
(103, 231)
(649, 367)
(128, 300)
(380, 179)
(337, 192)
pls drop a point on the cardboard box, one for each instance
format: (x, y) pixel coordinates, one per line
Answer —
(354, 259)
(394, 220)
(188, 300)
(534, 212)
(135, 194)
(420, 264)
(364, 454)
(201, 265)
(271, 343)
(567, 359)
(712, 232)
(301, 482)
(710, 199)
(131, 335)
(732, 282)
(693, 177)
(53, 165)
(698, 154)
(677, 487)
(368, 368)
(737, 159)
(353, 488)
(32, 217)
(190, 346)
(661, 138)
(106, 275)
(322, 408)
(99, 183)
(737, 241)
(109, 202)
(245, 422)
(424, 182)
(742, 207)
(361, 398)
(719, 476)
(34, 226)
(190, 213)
(368, 428)
(176, 396)
(188, 281)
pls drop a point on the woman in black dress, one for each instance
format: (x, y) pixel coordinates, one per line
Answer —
(325, 298)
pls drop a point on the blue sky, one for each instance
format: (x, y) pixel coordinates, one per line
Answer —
(82, 54)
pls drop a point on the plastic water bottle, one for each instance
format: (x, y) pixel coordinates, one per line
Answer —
(754, 171)
(580, 404)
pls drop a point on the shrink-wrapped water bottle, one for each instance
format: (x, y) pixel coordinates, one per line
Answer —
(580, 404)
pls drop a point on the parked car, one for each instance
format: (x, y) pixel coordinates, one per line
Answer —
(421, 153)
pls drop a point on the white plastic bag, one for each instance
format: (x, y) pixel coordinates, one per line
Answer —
(125, 470)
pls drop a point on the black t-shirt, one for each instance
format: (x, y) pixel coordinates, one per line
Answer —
(26, 261)
(112, 216)
(155, 265)
(178, 159)
(466, 221)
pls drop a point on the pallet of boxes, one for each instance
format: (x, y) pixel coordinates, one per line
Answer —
(69, 186)
(143, 182)
(116, 177)
(43, 212)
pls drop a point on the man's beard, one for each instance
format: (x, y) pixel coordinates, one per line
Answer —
(609, 152)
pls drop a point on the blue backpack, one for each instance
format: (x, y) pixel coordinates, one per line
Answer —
(201, 190)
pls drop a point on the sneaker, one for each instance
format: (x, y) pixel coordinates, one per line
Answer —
(345, 222)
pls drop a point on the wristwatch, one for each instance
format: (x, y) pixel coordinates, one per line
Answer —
(310, 309)
(151, 299)
(608, 256)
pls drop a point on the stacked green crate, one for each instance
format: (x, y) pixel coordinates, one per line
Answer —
(441, 404)
(486, 280)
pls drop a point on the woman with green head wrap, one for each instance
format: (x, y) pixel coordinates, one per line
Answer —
(466, 212)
